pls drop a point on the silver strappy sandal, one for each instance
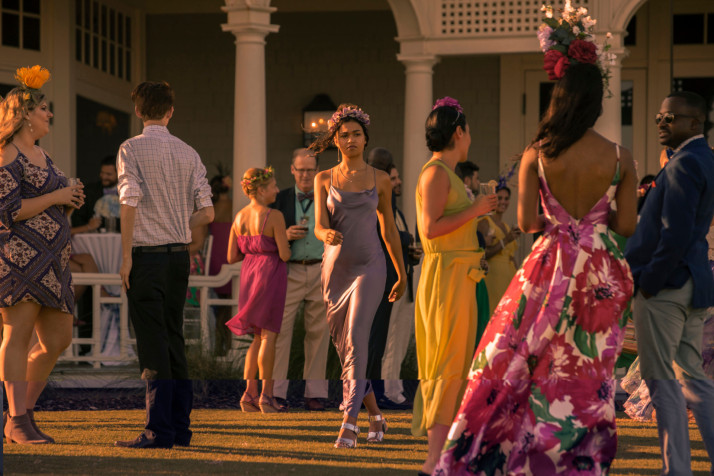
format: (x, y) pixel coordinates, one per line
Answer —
(377, 436)
(346, 442)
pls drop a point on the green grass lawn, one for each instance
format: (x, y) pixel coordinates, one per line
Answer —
(231, 442)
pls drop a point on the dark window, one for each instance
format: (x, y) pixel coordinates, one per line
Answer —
(120, 28)
(626, 107)
(111, 25)
(104, 55)
(688, 29)
(128, 32)
(86, 48)
(128, 65)
(112, 59)
(87, 14)
(95, 51)
(95, 17)
(31, 6)
(120, 62)
(31, 33)
(710, 28)
(10, 29)
(104, 21)
(78, 45)
(11, 5)
(78, 12)
(631, 38)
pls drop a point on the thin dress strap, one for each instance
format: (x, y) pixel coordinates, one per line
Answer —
(265, 221)
(18, 149)
(374, 175)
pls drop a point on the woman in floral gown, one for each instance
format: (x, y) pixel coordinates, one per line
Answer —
(541, 395)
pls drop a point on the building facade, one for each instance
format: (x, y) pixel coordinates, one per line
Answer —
(244, 71)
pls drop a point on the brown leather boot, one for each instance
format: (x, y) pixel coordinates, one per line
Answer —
(31, 414)
(19, 430)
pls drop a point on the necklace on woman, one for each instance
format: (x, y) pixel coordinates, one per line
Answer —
(339, 167)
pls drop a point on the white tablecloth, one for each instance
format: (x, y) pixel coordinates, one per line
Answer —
(105, 249)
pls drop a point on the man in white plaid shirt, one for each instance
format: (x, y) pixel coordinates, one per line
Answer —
(163, 193)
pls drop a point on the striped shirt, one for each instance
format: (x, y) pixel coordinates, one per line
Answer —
(165, 180)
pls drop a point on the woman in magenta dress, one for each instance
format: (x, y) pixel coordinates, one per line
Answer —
(258, 239)
(36, 294)
(541, 395)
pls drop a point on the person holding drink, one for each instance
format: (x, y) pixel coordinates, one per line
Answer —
(36, 294)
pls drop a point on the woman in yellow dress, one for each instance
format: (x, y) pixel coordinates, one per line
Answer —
(501, 247)
(445, 321)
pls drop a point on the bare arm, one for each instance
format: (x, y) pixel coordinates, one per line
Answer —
(390, 235)
(128, 217)
(201, 217)
(198, 238)
(624, 220)
(528, 218)
(234, 253)
(277, 220)
(323, 232)
(434, 188)
(69, 196)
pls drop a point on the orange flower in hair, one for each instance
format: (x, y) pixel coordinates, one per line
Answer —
(34, 77)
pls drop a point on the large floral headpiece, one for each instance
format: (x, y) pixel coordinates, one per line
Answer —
(266, 174)
(352, 112)
(32, 79)
(570, 41)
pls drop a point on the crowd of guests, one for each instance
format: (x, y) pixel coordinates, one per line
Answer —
(515, 363)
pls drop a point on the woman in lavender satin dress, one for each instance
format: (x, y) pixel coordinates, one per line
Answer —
(350, 198)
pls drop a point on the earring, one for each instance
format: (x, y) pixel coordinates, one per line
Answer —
(29, 124)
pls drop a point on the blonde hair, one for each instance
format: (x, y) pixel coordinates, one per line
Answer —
(255, 178)
(13, 109)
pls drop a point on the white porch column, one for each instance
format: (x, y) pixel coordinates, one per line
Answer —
(249, 21)
(417, 105)
(610, 122)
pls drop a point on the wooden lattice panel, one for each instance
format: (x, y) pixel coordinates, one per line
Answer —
(493, 18)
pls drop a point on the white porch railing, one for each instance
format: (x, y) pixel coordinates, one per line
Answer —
(97, 280)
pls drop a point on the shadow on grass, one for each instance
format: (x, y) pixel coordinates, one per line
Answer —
(171, 465)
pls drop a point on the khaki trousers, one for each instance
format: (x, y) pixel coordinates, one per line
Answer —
(401, 330)
(303, 286)
(669, 330)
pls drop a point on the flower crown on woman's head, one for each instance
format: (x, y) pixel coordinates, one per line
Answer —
(447, 101)
(266, 174)
(354, 112)
(570, 41)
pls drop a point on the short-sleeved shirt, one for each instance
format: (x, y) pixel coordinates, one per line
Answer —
(165, 180)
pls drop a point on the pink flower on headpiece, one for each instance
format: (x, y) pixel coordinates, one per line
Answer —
(555, 64)
(447, 101)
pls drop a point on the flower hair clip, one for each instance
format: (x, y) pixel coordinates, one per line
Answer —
(354, 112)
(447, 101)
(32, 78)
(266, 174)
(504, 178)
(569, 40)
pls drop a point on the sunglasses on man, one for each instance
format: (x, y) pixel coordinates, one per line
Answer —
(669, 117)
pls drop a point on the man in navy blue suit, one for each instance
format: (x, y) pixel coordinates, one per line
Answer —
(668, 257)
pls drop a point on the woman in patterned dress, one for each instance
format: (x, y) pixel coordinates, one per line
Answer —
(541, 395)
(35, 280)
